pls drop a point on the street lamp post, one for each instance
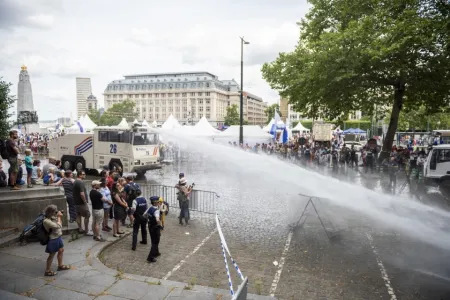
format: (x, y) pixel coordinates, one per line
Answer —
(241, 110)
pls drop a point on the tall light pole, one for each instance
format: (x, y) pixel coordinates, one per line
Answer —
(241, 110)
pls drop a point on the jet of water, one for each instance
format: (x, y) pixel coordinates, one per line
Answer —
(412, 218)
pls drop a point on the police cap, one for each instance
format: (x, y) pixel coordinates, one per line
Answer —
(154, 199)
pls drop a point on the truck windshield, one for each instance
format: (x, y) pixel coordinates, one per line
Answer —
(145, 138)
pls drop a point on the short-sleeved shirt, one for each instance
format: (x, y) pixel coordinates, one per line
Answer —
(29, 162)
(10, 145)
(96, 199)
(79, 187)
(34, 174)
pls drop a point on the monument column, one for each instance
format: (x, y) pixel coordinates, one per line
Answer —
(26, 115)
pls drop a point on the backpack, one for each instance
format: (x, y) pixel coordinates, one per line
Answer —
(4, 149)
(133, 188)
(42, 234)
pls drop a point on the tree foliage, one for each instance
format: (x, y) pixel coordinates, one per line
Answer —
(270, 111)
(6, 102)
(115, 113)
(418, 119)
(358, 54)
(232, 116)
(95, 116)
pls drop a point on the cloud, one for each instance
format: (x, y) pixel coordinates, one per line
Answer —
(43, 21)
(61, 39)
(24, 13)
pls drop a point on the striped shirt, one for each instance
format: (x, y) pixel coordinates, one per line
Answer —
(67, 183)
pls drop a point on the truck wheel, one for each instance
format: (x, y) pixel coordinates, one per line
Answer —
(79, 166)
(67, 165)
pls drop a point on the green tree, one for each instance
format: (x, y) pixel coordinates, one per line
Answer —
(232, 116)
(94, 115)
(6, 102)
(419, 119)
(361, 54)
(270, 111)
(115, 113)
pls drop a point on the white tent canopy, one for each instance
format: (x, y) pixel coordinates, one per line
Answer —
(300, 127)
(154, 124)
(123, 123)
(252, 134)
(145, 124)
(203, 128)
(268, 127)
(135, 121)
(87, 123)
(73, 128)
(171, 123)
(81, 119)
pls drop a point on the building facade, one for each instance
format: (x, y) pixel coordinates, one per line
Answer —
(84, 90)
(91, 103)
(293, 115)
(64, 121)
(188, 96)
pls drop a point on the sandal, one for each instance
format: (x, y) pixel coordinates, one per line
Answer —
(120, 232)
(49, 273)
(63, 268)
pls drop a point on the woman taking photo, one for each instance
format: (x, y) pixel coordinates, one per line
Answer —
(120, 207)
(53, 225)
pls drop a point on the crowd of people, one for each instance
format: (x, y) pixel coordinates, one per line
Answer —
(409, 159)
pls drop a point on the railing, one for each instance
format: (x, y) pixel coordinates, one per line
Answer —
(201, 201)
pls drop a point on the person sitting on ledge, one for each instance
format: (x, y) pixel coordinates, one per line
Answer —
(3, 182)
(36, 175)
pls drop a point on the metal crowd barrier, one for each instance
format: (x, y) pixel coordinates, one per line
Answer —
(201, 201)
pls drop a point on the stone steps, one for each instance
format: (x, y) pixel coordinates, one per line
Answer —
(4, 295)
(7, 231)
(8, 236)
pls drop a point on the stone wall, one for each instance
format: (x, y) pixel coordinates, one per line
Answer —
(20, 208)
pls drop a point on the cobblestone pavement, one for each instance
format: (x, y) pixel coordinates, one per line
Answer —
(22, 270)
(359, 264)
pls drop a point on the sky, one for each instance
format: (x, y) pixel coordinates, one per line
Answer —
(59, 40)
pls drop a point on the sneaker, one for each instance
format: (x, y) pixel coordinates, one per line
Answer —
(29, 186)
(151, 260)
(15, 188)
(89, 234)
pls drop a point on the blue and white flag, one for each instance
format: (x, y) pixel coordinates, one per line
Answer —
(285, 135)
(277, 118)
(273, 130)
(79, 126)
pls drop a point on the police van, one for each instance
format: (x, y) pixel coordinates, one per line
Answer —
(133, 150)
(437, 165)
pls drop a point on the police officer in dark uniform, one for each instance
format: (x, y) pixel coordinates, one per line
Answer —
(139, 208)
(154, 226)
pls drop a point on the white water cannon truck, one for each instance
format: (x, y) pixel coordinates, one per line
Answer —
(129, 150)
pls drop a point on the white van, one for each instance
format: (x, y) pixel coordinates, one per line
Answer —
(437, 165)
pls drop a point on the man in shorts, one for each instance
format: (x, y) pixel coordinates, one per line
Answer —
(80, 199)
(97, 200)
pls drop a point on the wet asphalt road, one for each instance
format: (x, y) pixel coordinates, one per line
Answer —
(363, 260)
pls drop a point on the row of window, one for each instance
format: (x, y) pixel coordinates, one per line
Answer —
(162, 86)
(160, 95)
